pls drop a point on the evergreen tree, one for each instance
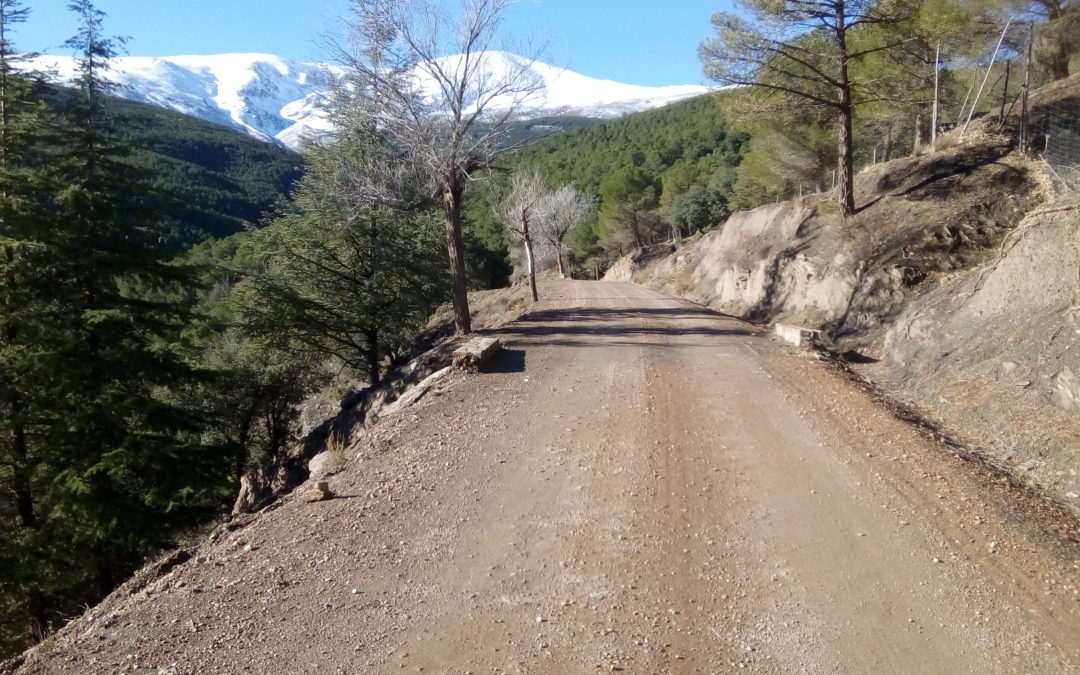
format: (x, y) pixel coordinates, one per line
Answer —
(352, 268)
(22, 299)
(802, 53)
(255, 392)
(628, 198)
(126, 467)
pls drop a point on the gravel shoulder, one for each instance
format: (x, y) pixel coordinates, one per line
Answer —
(640, 485)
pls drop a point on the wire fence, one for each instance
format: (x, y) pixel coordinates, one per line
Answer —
(1053, 134)
(1008, 90)
(1046, 126)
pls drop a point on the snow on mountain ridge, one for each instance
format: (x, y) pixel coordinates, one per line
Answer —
(276, 99)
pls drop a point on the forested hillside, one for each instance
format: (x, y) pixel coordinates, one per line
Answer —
(147, 365)
(689, 136)
(651, 174)
(218, 180)
(206, 179)
(118, 418)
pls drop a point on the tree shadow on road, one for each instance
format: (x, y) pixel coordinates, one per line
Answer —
(572, 327)
(507, 361)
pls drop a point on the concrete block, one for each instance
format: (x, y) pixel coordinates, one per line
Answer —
(800, 337)
(475, 353)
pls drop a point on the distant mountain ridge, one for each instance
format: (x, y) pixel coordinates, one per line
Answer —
(277, 99)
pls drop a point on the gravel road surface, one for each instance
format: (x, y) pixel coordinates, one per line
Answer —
(640, 485)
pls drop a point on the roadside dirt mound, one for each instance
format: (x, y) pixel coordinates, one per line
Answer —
(919, 218)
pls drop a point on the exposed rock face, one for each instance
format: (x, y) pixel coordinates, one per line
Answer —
(796, 261)
(997, 349)
(624, 268)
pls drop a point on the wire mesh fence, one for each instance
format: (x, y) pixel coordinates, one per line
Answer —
(1047, 125)
(1054, 133)
(998, 83)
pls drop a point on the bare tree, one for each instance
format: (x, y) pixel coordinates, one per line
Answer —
(802, 50)
(520, 212)
(562, 211)
(434, 85)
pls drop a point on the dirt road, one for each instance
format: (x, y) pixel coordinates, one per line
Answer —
(642, 486)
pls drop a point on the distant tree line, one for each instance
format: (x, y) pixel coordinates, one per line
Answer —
(652, 175)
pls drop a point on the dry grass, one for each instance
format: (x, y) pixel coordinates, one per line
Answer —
(335, 453)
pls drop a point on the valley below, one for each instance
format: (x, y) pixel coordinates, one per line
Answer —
(636, 484)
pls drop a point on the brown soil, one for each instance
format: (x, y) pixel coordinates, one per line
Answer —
(640, 485)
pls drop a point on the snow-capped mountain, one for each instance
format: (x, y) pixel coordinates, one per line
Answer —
(278, 100)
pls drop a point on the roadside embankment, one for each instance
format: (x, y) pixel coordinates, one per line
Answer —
(955, 288)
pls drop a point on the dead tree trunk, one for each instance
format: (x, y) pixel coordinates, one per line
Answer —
(530, 262)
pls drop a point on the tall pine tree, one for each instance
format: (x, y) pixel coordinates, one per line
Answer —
(22, 305)
(126, 466)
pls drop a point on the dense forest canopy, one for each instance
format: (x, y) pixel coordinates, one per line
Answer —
(684, 155)
(223, 182)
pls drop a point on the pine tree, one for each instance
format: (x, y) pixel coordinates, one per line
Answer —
(629, 197)
(352, 267)
(126, 466)
(803, 53)
(22, 607)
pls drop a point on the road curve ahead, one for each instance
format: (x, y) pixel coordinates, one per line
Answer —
(640, 486)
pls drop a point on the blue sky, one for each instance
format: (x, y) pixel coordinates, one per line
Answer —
(649, 42)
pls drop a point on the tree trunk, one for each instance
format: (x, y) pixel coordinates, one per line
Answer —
(372, 355)
(104, 576)
(20, 459)
(35, 612)
(240, 465)
(531, 264)
(452, 191)
(845, 186)
(559, 256)
(21, 486)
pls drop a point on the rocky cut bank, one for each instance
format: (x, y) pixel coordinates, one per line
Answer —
(956, 287)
